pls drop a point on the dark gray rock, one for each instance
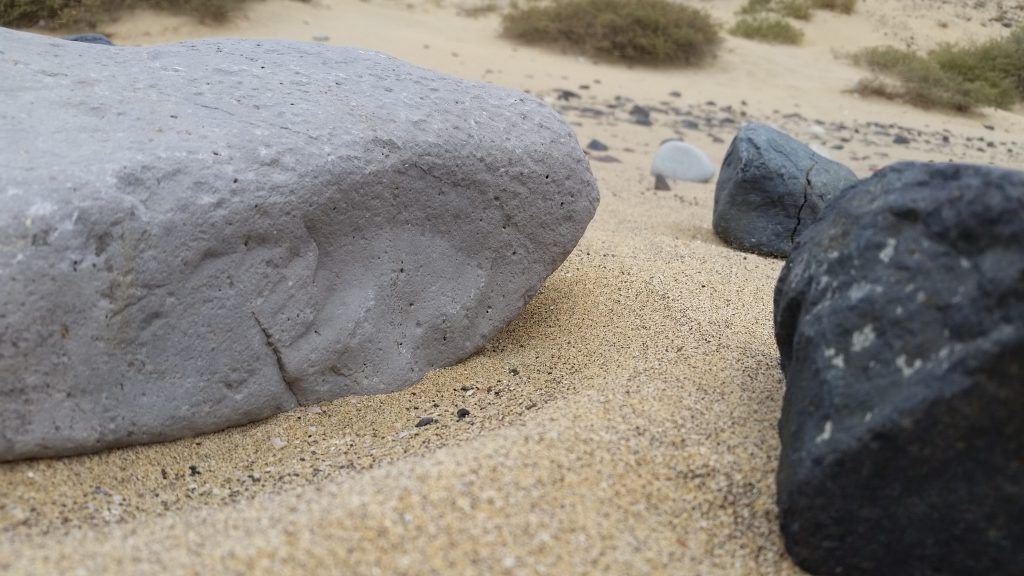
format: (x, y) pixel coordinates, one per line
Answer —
(640, 115)
(770, 187)
(90, 38)
(900, 324)
(198, 235)
(596, 145)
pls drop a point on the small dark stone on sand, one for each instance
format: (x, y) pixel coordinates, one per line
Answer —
(90, 38)
(640, 115)
(690, 124)
(194, 470)
(660, 183)
(989, 127)
(675, 94)
(425, 421)
(462, 413)
(606, 159)
(566, 94)
(597, 145)
(900, 139)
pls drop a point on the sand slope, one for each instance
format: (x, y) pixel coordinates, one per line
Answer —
(623, 424)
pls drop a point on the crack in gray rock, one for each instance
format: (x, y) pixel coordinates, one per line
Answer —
(434, 176)
(807, 189)
(277, 356)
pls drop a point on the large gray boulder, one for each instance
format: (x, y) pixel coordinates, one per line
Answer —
(770, 188)
(899, 318)
(198, 235)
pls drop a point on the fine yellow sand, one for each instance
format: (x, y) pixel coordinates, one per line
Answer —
(624, 423)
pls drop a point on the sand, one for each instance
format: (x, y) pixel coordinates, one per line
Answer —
(624, 423)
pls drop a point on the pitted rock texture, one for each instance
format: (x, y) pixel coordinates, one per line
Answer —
(198, 235)
(899, 318)
(770, 189)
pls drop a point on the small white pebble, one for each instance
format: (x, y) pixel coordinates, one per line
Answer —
(277, 442)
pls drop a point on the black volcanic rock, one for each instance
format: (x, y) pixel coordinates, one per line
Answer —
(899, 318)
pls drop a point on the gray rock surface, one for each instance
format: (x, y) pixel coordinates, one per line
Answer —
(899, 318)
(770, 188)
(90, 38)
(198, 235)
(678, 160)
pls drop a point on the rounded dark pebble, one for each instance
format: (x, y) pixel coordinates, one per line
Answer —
(462, 413)
(425, 421)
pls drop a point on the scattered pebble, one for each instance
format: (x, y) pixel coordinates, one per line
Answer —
(640, 115)
(277, 442)
(425, 421)
(194, 470)
(566, 95)
(321, 38)
(900, 139)
(597, 145)
(462, 413)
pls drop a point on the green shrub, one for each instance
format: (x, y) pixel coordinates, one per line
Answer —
(479, 10)
(841, 6)
(998, 63)
(755, 7)
(641, 31)
(955, 77)
(767, 28)
(66, 14)
(799, 9)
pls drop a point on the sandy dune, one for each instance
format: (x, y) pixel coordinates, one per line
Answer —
(623, 424)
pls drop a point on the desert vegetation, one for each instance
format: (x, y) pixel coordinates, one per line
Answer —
(766, 20)
(769, 28)
(656, 32)
(952, 76)
(72, 14)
